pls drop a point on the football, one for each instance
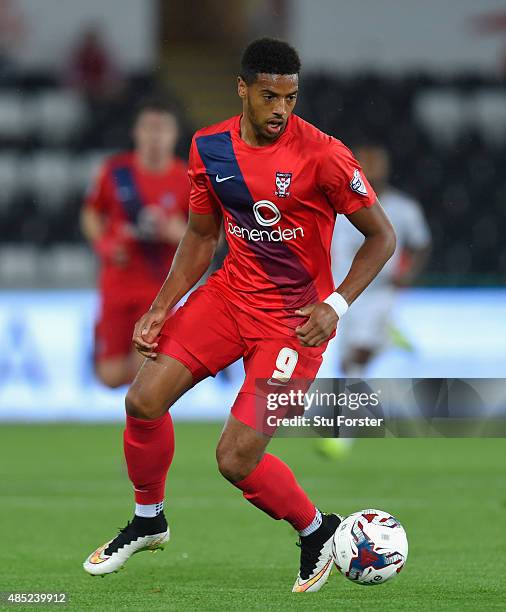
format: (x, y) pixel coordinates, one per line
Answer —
(370, 547)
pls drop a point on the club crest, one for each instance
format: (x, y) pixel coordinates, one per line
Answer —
(283, 181)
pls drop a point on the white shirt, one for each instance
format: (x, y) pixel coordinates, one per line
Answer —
(410, 225)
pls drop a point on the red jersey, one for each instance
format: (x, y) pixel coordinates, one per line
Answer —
(279, 204)
(126, 194)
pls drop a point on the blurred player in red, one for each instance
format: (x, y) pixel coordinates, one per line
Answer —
(276, 183)
(134, 217)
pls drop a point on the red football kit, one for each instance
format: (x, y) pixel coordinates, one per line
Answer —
(279, 203)
(130, 199)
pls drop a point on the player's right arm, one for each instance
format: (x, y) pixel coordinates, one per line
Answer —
(92, 224)
(193, 257)
(93, 220)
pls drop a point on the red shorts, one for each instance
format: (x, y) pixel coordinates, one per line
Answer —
(209, 332)
(115, 325)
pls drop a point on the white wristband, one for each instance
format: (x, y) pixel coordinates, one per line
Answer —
(338, 303)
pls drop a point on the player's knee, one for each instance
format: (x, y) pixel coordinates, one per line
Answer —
(138, 406)
(234, 465)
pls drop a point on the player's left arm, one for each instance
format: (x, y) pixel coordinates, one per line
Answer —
(375, 251)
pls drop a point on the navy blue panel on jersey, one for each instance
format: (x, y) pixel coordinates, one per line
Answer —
(132, 204)
(280, 263)
(218, 156)
(127, 192)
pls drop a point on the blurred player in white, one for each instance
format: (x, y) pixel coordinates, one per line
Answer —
(365, 331)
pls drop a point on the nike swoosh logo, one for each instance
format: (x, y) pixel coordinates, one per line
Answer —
(225, 178)
(97, 557)
(300, 588)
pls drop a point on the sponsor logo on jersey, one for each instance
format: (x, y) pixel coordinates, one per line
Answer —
(277, 234)
(273, 212)
(267, 214)
(283, 180)
(357, 183)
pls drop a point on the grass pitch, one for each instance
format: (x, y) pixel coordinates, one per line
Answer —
(64, 491)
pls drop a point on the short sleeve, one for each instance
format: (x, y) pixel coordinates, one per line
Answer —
(416, 227)
(201, 200)
(183, 190)
(97, 194)
(341, 179)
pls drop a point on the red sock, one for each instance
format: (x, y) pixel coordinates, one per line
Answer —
(272, 487)
(149, 448)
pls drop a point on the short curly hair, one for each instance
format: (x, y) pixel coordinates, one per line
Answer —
(269, 56)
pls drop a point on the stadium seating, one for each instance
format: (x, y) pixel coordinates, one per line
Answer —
(446, 137)
(57, 116)
(86, 166)
(442, 112)
(9, 180)
(489, 114)
(48, 177)
(13, 125)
